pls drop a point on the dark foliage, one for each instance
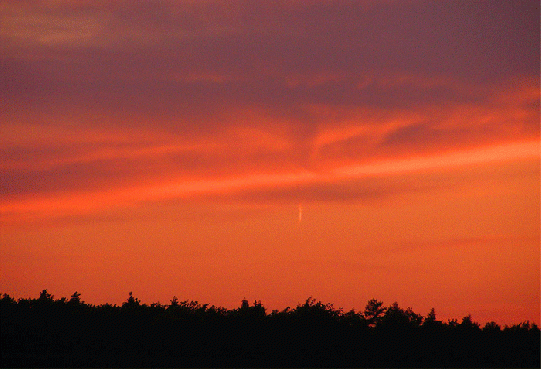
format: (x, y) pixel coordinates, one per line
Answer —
(45, 332)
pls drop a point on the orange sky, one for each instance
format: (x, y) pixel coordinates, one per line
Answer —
(166, 148)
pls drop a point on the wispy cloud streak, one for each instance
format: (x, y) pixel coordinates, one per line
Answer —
(240, 186)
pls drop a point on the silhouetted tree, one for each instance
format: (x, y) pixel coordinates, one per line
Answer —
(131, 303)
(431, 316)
(75, 299)
(397, 318)
(45, 297)
(468, 323)
(373, 311)
(492, 327)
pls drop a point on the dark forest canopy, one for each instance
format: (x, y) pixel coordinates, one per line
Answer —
(68, 332)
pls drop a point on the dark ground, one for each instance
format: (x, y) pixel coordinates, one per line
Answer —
(45, 332)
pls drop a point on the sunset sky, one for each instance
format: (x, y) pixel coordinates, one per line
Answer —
(169, 148)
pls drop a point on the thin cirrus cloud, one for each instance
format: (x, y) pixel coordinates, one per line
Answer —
(228, 95)
(338, 183)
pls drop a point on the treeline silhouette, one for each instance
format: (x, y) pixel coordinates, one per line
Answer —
(45, 332)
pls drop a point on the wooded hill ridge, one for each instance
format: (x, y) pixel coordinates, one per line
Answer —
(45, 332)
